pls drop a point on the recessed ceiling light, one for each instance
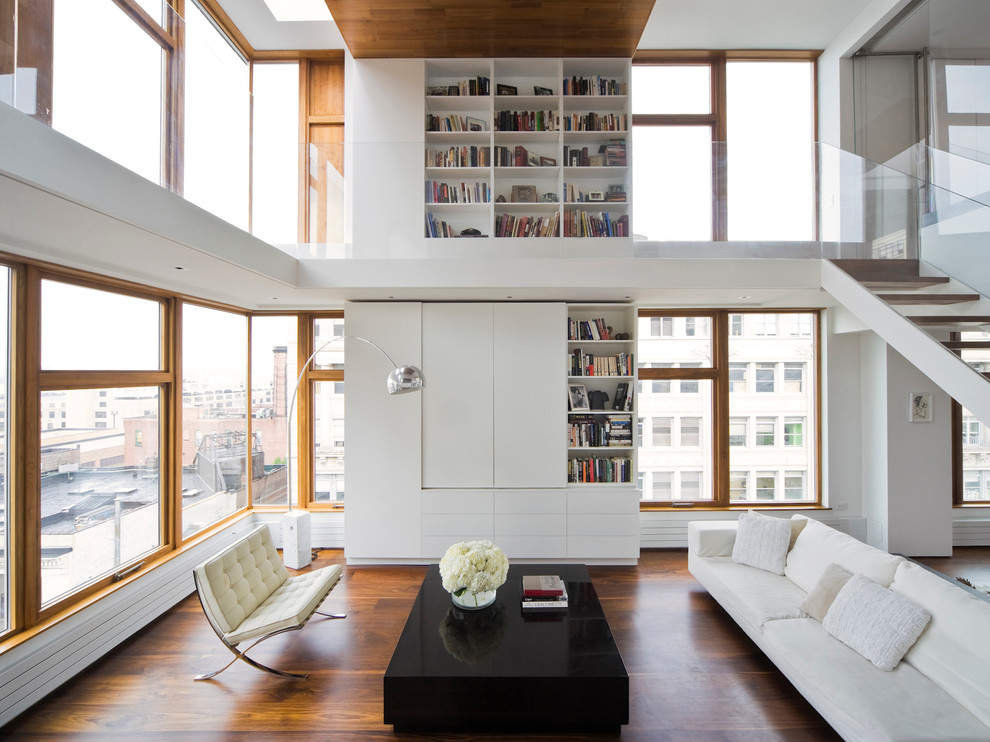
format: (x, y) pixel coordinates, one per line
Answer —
(179, 268)
(299, 10)
(745, 296)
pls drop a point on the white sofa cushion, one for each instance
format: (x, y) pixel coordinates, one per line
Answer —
(954, 650)
(876, 622)
(820, 599)
(860, 701)
(762, 542)
(818, 546)
(751, 596)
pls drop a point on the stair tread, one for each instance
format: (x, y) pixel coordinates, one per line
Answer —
(928, 298)
(967, 344)
(950, 319)
(906, 282)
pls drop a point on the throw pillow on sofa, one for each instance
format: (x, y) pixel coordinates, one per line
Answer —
(875, 621)
(762, 542)
(820, 599)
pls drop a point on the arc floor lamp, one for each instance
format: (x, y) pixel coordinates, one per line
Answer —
(296, 532)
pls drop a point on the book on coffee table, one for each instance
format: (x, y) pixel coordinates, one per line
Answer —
(542, 586)
(542, 604)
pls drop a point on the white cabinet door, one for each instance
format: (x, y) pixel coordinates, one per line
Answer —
(458, 397)
(530, 411)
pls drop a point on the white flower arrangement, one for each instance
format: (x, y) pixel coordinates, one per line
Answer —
(473, 567)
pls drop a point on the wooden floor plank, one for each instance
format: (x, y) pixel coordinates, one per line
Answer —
(694, 675)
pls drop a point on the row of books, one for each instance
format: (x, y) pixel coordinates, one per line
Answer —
(439, 228)
(579, 223)
(527, 121)
(596, 122)
(611, 154)
(593, 329)
(543, 593)
(510, 225)
(592, 85)
(588, 364)
(599, 470)
(519, 156)
(466, 156)
(479, 85)
(453, 122)
(616, 193)
(592, 431)
(450, 193)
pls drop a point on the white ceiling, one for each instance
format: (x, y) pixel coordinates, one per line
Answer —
(674, 24)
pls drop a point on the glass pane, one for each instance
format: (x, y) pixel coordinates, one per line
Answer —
(214, 417)
(112, 108)
(975, 451)
(682, 471)
(275, 153)
(672, 183)
(154, 8)
(967, 88)
(217, 122)
(100, 486)
(85, 329)
(779, 459)
(672, 89)
(329, 348)
(328, 438)
(675, 342)
(770, 112)
(274, 350)
(4, 445)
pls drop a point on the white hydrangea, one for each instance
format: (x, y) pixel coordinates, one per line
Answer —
(473, 567)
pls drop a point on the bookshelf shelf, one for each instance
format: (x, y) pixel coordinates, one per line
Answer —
(601, 442)
(479, 129)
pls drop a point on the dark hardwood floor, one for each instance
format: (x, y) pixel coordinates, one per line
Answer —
(694, 675)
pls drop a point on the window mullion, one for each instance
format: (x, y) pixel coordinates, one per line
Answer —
(720, 409)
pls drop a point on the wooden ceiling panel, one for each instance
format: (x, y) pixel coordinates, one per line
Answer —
(490, 28)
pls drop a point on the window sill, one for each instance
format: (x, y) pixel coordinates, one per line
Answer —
(655, 508)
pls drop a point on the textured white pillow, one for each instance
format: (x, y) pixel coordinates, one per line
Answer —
(762, 542)
(874, 621)
(820, 599)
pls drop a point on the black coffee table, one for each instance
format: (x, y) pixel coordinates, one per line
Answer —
(499, 669)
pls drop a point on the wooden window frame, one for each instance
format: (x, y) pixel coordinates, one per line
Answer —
(718, 374)
(717, 118)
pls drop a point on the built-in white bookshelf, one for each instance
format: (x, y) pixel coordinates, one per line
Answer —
(601, 395)
(527, 148)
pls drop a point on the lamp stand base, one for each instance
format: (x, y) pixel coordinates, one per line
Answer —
(297, 539)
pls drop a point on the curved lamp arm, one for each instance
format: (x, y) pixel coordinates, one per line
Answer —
(401, 380)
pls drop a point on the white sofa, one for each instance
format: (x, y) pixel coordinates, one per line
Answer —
(940, 691)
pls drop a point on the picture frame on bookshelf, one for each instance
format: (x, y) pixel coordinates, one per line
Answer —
(453, 90)
(596, 196)
(538, 90)
(523, 194)
(548, 161)
(578, 398)
(532, 159)
(436, 90)
(550, 198)
(503, 89)
(474, 124)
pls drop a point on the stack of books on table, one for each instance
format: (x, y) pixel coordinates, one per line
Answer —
(543, 593)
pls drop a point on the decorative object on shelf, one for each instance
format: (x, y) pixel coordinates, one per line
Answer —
(549, 198)
(596, 196)
(578, 397)
(502, 89)
(500, 200)
(471, 636)
(296, 536)
(523, 194)
(537, 90)
(472, 571)
(598, 399)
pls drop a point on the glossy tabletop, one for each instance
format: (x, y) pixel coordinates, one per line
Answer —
(500, 668)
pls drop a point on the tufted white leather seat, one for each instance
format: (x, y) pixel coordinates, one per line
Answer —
(246, 592)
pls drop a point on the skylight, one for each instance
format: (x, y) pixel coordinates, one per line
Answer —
(299, 10)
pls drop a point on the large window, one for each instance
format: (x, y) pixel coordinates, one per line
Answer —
(217, 455)
(713, 437)
(716, 138)
(100, 492)
(327, 476)
(5, 293)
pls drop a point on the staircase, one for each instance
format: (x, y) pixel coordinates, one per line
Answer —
(930, 319)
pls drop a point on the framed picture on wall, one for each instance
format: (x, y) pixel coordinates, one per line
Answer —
(921, 407)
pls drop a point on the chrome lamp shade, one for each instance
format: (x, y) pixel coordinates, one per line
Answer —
(405, 379)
